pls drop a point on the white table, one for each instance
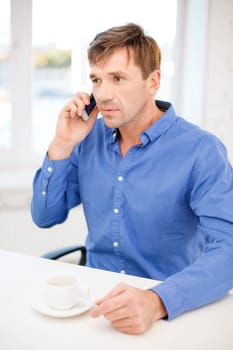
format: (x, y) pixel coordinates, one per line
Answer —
(208, 328)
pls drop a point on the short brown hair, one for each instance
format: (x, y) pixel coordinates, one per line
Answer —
(147, 54)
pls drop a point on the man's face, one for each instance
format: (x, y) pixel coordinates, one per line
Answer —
(119, 89)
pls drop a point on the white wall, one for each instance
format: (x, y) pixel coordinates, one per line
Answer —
(190, 59)
(203, 83)
(218, 107)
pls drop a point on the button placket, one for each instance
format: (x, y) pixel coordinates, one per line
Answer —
(118, 210)
(117, 217)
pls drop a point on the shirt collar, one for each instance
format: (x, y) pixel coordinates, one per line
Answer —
(161, 125)
(156, 129)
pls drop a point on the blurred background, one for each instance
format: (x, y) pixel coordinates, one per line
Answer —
(43, 63)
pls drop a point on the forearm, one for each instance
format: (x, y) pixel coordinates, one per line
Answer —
(209, 278)
(51, 188)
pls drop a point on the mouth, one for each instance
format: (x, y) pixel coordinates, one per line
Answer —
(108, 110)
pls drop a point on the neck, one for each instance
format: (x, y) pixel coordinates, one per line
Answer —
(130, 134)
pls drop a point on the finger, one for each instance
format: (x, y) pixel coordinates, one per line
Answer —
(70, 109)
(112, 301)
(123, 322)
(80, 105)
(131, 329)
(120, 288)
(110, 306)
(83, 96)
(77, 104)
(118, 314)
(105, 307)
(130, 325)
(73, 110)
(81, 99)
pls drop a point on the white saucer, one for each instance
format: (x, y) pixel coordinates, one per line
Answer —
(39, 304)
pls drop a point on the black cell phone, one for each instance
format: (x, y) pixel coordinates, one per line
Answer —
(89, 108)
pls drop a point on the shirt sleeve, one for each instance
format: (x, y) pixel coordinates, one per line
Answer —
(209, 277)
(55, 191)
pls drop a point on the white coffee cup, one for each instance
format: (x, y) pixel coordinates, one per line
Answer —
(63, 291)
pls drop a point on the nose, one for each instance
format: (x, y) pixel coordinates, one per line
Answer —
(103, 93)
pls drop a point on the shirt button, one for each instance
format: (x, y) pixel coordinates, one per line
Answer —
(116, 244)
(120, 178)
(50, 169)
(43, 193)
(122, 271)
(116, 210)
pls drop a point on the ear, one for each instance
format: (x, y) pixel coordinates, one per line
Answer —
(154, 81)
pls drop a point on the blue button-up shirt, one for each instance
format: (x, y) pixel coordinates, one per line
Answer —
(164, 211)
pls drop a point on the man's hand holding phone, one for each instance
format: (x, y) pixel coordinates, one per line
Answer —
(75, 121)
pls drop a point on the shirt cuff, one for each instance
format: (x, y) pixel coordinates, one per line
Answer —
(50, 166)
(171, 298)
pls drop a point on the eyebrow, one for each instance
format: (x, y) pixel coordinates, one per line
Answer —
(92, 75)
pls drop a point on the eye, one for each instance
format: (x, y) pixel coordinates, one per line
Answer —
(95, 81)
(118, 78)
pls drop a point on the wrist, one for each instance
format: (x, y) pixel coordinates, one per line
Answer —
(158, 305)
(59, 150)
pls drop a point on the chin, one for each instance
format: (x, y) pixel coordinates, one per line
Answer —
(110, 123)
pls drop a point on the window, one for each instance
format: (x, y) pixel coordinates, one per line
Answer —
(59, 49)
(48, 62)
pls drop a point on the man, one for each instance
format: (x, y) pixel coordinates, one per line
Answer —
(157, 191)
